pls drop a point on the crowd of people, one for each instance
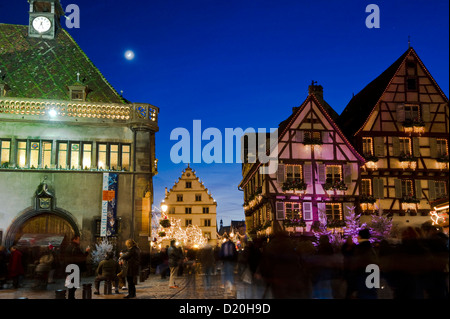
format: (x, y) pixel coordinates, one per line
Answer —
(416, 267)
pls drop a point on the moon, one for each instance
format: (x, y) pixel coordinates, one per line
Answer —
(129, 55)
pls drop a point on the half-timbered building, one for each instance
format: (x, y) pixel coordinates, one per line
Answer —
(317, 175)
(400, 123)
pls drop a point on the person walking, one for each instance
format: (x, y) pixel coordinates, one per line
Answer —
(107, 270)
(74, 255)
(3, 266)
(15, 267)
(364, 254)
(132, 257)
(43, 267)
(175, 258)
(207, 261)
(228, 255)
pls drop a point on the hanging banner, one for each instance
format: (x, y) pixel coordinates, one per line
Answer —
(109, 204)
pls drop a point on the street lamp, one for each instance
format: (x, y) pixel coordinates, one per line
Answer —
(164, 208)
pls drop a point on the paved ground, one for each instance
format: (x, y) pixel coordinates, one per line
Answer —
(191, 287)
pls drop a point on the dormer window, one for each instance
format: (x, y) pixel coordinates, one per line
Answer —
(78, 92)
(77, 95)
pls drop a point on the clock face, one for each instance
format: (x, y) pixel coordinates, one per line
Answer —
(42, 24)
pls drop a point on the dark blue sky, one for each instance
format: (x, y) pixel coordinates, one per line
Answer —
(245, 63)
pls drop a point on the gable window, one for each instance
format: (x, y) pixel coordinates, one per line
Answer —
(411, 112)
(411, 84)
(179, 197)
(198, 197)
(5, 151)
(333, 211)
(312, 137)
(188, 184)
(367, 144)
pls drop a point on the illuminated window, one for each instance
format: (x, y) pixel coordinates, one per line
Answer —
(113, 156)
(405, 145)
(333, 211)
(407, 187)
(412, 112)
(126, 157)
(5, 151)
(365, 188)
(207, 235)
(312, 136)
(87, 155)
(46, 154)
(34, 153)
(293, 172)
(74, 155)
(334, 173)
(292, 210)
(441, 189)
(102, 156)
(441, 147)
(367, 144)
(21, 153)
(62, 154)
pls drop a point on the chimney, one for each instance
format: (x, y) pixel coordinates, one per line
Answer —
(317, 90)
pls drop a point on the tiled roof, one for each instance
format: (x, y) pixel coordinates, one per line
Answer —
(362, 104)
(43, 69)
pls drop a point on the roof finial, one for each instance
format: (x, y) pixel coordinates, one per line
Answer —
(78, 76)
(409, 41)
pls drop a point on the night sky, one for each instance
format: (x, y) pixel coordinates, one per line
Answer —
(245, 63)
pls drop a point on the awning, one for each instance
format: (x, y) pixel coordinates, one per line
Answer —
(42, 240)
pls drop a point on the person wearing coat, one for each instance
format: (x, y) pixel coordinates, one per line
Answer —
(107, 270)
(132, 257)
(15, 267)
(175, 258)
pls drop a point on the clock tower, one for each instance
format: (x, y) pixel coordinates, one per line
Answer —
(44, 18)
